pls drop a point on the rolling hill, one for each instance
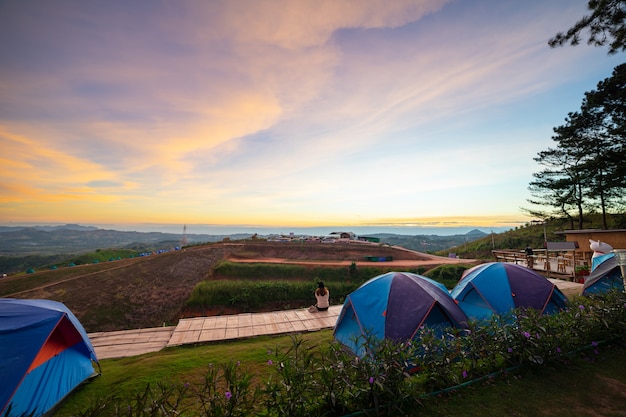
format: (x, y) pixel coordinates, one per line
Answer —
(151, 291)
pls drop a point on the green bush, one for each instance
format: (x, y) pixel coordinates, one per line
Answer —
(253, 295)
(448, 275)
(393, 377)
(268, 271)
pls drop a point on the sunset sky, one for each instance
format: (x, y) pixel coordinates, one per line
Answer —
(294, 112)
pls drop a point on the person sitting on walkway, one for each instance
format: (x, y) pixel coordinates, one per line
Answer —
(322, 295)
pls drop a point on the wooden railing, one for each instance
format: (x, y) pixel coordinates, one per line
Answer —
(555, 262)
(519, 258)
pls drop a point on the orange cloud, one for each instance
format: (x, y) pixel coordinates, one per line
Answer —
(35, 171)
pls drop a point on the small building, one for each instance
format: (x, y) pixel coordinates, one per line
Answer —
(343, 235)
(616, 238)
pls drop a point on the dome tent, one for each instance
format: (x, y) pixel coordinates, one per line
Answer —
(395, 305)
(604, 277)
(45, 354)
(499, 287)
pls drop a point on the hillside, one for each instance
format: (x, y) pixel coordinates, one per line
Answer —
(322, 251)
(532, 234)
(73, 239)
(150, 291)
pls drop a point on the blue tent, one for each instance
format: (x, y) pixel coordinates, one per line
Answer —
(605, 276)
(44, 355)
(499, 287)
(395, 305)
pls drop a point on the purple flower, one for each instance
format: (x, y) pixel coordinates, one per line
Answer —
(238, 363)
(594, 344)
(270, 362)
(464, 374)
(582, 307)
(558, 350)
(527, 335)
(228, 395)
(510, 350)
(371, 380)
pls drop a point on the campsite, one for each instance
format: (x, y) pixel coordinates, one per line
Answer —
(246, 256)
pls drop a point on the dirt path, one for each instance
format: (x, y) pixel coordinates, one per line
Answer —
(405, 263)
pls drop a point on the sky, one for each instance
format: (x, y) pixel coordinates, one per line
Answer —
(404, 113)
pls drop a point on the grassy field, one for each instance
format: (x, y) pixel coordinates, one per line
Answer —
(589, 385)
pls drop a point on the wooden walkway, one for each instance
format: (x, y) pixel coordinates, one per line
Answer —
(125, 343)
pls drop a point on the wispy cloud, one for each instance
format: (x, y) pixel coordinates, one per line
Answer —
(269, 111)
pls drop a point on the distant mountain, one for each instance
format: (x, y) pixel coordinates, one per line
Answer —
(77, 227)
(475, 234)
(73, 239)
(430, 243)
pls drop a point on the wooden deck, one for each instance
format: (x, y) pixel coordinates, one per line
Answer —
(553, 265)
(125, 343)
(211, 329)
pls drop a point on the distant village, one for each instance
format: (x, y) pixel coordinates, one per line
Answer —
(333, 237)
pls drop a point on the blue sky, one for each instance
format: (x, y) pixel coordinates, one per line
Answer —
(283, 113)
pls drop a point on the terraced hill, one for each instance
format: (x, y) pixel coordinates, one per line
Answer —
(150, 291)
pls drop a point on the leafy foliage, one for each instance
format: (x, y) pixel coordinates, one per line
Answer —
(606, 25)
(584, 171)
(393, 378)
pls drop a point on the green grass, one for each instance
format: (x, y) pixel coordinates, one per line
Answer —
(587, 386)
(178, 364)
(583, 388)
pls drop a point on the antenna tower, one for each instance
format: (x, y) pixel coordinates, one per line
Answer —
(183, 241)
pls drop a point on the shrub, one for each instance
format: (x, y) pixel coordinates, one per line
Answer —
(448, 275)
(253, 295)
(391, 378)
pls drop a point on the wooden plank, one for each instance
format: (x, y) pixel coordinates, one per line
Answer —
(176, 339)
(261, 329)
(246, 331)
(208, 323)
(231, 333)
(232, 321)
(212, 335)
(183, 324)
(292, 315)
(196, 324)
(259, 319)
(285, 327)
(303, 314)
(245, 319)
(221, 322)
(299, 326)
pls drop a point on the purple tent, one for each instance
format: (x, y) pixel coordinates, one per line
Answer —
(395, 305)
(499, 287)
